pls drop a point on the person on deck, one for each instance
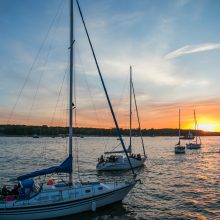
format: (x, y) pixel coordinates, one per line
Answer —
(15, 191)
(101, 159)
(4, 191)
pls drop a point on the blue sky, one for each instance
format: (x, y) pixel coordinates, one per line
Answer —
(173, 46)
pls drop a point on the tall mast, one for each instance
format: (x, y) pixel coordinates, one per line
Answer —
(195, 125)
(71, 87)
(139, 123)
(179, 126)
(130, 107)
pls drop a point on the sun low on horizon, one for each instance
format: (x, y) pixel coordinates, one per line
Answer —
(209, 126)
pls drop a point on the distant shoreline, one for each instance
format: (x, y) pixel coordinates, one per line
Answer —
(90, 136)
(46, 131)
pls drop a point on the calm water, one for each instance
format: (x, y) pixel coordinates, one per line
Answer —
(173, 186)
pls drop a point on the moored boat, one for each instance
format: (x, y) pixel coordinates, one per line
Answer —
(179, 149)
(189, 136)
(43, 200)
(61, 200)
(197, 144)
(114, 160)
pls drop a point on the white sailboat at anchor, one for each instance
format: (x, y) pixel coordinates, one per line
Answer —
(197, 143)
(179, 149)
(65, 198)
(116, 160)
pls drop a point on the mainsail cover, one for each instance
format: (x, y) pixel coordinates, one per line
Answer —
(65, 167)
(119, 152)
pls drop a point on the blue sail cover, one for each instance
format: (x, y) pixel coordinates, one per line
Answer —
(65, 167)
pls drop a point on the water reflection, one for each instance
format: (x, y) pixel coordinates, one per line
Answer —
(173, 186)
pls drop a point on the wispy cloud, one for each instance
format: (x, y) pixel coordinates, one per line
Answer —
(182, 3)
(127, 18)
(188, 49)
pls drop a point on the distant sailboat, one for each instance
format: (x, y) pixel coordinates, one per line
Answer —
(50, 200)
(179, 149)
(116, 161)
(35, 136)
(197, 144)
(189, 136)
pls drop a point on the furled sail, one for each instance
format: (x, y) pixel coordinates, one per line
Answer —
(119, 152)
(65, 167)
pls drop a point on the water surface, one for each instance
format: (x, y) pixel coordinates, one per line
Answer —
(173, 186)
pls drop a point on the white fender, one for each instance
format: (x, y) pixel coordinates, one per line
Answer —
(93, 206)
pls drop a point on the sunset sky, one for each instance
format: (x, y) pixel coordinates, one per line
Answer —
(173, 47)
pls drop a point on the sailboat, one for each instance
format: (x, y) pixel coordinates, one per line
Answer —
(179, 149)
(50, 200)
(189, 136)
(197, 143)
(116, 161)
(35, 136)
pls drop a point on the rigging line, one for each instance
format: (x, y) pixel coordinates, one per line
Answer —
(38, 85)
(196, 127)
(106, 93)
(64, 104)
(45, 63)
(89, 90)
(77, 157)
(52, 119)
(118, 106)
(121, 97)
(90, 95)
(33, 64)
(115, 148)
(76, 140)
(58, 98)
(195, 121)
(63, 108)
(75, 113)
(139, 123)
(75, 104)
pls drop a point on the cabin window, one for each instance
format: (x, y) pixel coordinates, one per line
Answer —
(100, 188)
(87, 190)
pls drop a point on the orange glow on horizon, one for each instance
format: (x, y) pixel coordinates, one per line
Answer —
(156, 117)
(209, 124)
(207, 127)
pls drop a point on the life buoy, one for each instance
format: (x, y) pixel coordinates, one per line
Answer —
(50, 182)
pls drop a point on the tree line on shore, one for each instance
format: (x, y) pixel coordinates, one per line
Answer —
(44, 130)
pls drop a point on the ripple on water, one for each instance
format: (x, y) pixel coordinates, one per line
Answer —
(173, 186)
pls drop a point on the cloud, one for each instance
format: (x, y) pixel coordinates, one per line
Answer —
(182, 3)
(188, 49)
(129, 19)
